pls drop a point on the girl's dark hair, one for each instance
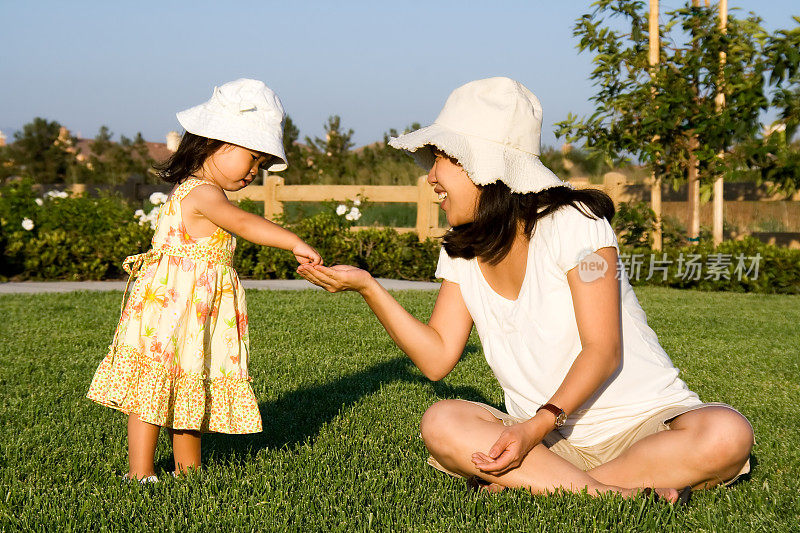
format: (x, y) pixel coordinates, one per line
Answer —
(188, 158)
(500, 213)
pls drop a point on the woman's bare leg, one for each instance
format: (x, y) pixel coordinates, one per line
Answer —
(454, 429)
(186, 449)
(142, 439)
(703, 448)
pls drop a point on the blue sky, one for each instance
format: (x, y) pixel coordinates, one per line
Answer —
(379, 65)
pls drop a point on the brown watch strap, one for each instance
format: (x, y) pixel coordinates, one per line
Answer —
(557, 412)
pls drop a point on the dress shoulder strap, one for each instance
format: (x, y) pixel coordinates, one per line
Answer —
(185, 187)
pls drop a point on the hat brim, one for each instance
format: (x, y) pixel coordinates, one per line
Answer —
(234, 130)
(484, 161)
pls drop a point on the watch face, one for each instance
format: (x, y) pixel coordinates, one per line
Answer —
(560, 419)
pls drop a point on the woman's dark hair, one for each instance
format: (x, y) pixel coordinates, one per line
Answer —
(188, 158)
(500, 213)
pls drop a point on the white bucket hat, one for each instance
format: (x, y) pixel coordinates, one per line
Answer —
(493, 128)
(244, 112)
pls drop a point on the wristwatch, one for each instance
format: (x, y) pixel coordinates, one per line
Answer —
(559, 413)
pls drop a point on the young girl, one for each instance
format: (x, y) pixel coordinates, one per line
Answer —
(180, 352)
(593, 400)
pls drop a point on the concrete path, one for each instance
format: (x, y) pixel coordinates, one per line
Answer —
(268, 285)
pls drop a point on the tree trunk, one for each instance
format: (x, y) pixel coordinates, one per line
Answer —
(693, 190)
(693, 181)
(719, 185)
(655, 185)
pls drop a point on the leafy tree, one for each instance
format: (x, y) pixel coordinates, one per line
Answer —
(294, 153)
(42, 151)
(774, 157)
(112, 162)
(784, 53)
(290, 136)
(664, 114)
(380, 164)
(330, 155)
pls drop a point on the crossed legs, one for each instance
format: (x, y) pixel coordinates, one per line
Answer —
(703, 448)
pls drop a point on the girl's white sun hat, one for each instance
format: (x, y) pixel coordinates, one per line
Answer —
(493, 128)
(244, 112)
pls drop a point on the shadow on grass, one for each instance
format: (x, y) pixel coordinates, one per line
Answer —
(298, 415)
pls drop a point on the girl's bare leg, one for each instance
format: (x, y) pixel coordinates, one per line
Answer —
(142, 439)
(186, 449)
(454, 429)
(703, 448)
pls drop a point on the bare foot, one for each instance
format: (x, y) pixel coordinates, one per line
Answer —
(141, 478)
(481, 485)
(493, 487)
(669, 495)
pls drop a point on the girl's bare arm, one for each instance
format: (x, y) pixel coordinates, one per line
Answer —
(211, 203)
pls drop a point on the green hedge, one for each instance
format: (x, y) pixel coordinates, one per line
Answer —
(778, 268)
(383, 252)
(87, 238)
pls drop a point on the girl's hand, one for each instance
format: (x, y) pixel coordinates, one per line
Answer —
(306, 255)
(510, 450)
(337, 278)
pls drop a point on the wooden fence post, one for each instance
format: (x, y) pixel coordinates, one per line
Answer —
(77, 189)
(272, 206)
(613, 183)
(424, 211)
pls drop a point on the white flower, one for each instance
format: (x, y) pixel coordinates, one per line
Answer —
(329, 154)
(354, 213)
(349, 216)
(39, 201)
(147, 218)
(158, 198)
(27, 224)
(341, 209)
(357, 201)
(56, 194)
(152, 217)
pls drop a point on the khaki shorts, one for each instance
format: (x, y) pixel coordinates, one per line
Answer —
(588, 457)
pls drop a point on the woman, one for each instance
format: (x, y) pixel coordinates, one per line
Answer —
(593, 400)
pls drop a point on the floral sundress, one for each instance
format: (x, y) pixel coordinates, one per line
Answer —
(180, 351)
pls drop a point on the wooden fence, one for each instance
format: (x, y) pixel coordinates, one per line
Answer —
(739, 212)
(746, 206)
(274, 193)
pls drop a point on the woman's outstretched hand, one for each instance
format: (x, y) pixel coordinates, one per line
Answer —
(337, 278)
(509, 451)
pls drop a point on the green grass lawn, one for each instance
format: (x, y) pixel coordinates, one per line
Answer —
(341, 407)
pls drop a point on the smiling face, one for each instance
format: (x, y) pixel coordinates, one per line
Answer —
(233, 167)
(459, 195)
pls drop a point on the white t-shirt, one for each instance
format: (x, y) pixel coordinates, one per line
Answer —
(531, 342)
